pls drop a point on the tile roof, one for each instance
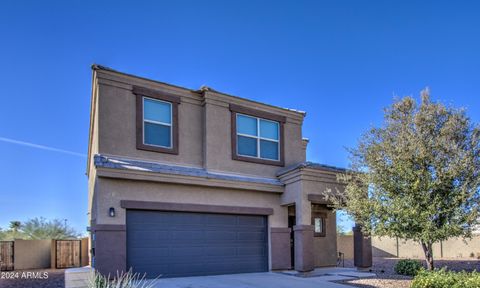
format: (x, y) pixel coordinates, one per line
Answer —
(312, 165)
(113, 162)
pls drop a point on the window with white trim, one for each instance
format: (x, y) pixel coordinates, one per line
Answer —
(258, 137)
(157, 122)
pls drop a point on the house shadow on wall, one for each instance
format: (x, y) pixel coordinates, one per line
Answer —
(377, 252)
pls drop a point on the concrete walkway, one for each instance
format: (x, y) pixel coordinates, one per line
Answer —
(256, 280)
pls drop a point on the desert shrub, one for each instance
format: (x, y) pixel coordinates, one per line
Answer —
(408, 267)
(123, 280)
(446, 279)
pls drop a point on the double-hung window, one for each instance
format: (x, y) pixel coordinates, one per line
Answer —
(257, 136)
(157, 120)
(157, 123)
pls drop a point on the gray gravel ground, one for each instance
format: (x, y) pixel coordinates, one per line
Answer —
(386, 277)
(24, 279)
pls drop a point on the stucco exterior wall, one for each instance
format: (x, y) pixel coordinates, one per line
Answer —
(325, 248)
(117, 127)
(32, 254)
(204, 127)
(204, 141)
(218, 156)
(111, 191)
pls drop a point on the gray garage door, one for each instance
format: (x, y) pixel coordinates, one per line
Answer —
(175, 244)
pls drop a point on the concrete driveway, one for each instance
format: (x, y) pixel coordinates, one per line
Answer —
(251, 280)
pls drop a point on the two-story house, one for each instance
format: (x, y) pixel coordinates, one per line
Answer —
(197, 182)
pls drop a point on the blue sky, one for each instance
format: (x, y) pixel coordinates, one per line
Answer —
(341, 61)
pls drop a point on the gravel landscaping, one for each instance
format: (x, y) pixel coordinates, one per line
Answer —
(387, 278)
(48, 278)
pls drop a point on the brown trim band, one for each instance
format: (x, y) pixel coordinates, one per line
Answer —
(317, 199)
(257, 113)
(303, 228)
(261, 114)
(180, 207)
(161, 95)
(141, 92)
(109, 227)
(280, 230)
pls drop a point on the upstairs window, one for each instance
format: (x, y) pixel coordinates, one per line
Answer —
(157, 123)
(157, 120)
(257, 136)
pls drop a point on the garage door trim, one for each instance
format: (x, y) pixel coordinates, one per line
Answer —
(201, 208)
(205, 262)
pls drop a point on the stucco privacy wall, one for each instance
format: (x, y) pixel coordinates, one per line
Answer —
(204, 126)
(345, 245)
(387, 247)
(32, 254)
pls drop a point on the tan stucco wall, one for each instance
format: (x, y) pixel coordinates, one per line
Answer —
(345, 245)
(117, 128)
(325, 248)
(453, 248)
(204, 127)
(111, 191)
(218, 156)
(32, 254)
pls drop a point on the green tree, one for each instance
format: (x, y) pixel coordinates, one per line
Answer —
(40, 228)
(14, 227)
(418, 176)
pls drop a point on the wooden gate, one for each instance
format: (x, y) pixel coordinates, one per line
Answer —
(68, 253)
(6, 255)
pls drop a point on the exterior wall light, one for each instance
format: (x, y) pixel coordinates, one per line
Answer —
(111, 212)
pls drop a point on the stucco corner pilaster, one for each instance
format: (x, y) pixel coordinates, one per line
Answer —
(280, 246)
(304, 260)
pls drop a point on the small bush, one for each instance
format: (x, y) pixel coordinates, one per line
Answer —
(408, 267)
(446, 279)
(123, 280)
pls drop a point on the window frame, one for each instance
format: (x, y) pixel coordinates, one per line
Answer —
(170, 125)
(259, 115)
(145, 93)
(318, 212)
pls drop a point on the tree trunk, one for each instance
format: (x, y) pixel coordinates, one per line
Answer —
(427, 249)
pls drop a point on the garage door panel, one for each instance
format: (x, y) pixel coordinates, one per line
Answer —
(251, 237)
(175, 244)
(149, 236)
(251, 220)
(219, 219)
(212, 237)
(220, 251)
(249, 251)
(183, 236)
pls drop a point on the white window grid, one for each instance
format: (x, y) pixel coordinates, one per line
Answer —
(157, 122)
(258, 138)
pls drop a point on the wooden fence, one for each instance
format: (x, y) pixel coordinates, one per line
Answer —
(68, 253)
(6, 255)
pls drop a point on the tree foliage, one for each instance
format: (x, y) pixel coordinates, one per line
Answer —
(418, 176)
(38, 229)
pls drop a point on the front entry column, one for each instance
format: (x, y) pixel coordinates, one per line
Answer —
(304, 260)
